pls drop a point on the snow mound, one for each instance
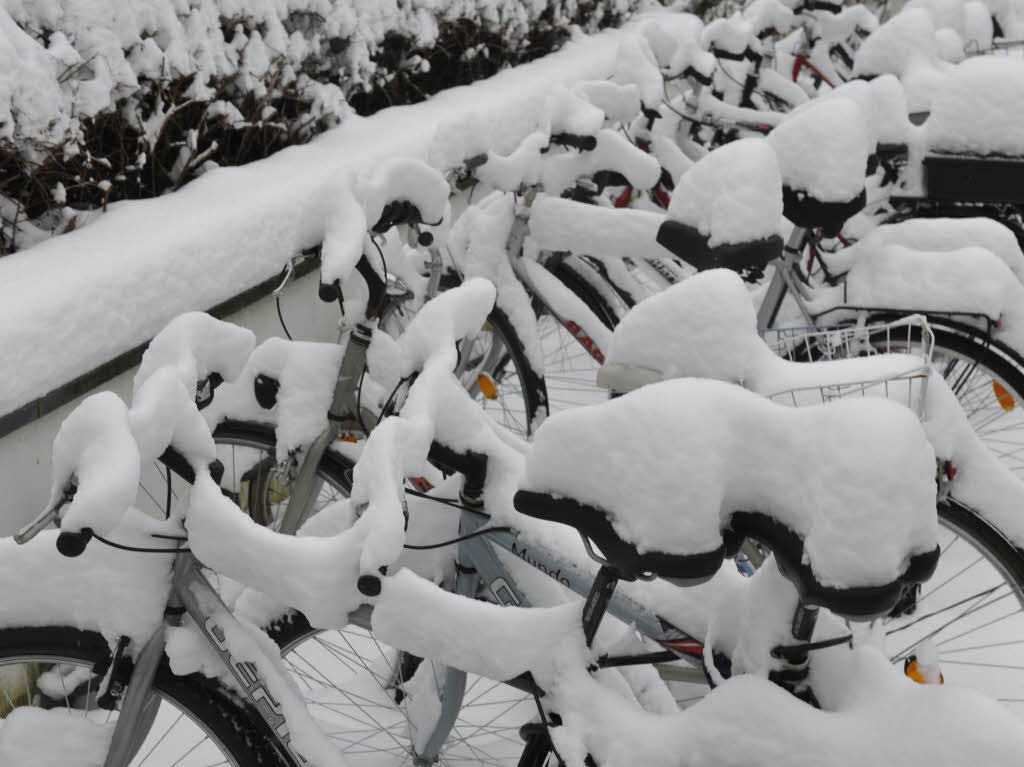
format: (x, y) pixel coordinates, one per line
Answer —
(734, 194)
(853, 478)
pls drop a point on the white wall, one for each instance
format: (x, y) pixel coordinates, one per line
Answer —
(25, 453)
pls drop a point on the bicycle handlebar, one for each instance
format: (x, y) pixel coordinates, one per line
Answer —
(818, 5)
(583, 143)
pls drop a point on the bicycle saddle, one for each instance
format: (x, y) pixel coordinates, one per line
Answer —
(823, 157)
(805, 210)
(725, 209)
(667, 479)
(690, 245)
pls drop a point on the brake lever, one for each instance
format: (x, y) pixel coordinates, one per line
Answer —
(48, 517)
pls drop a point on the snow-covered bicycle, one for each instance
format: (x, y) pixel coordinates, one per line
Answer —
(347, 567)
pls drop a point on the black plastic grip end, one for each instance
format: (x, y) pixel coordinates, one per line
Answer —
(369, 585)
(73, 544)
(330, 292)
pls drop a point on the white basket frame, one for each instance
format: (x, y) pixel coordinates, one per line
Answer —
(859, 340)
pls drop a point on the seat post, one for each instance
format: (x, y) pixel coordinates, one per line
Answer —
(597, 600)
(792, 673)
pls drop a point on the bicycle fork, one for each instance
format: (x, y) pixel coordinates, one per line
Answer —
(191, 592)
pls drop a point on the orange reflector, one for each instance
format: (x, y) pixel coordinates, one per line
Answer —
(1003, 397)
(421, 483)
(348, 438)
(921, 673)
(487, 386)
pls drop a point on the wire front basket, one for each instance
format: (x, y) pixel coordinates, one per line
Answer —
(903, 378)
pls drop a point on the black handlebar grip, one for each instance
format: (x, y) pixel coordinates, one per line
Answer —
(396, 213)
(474, 162)
(697, 75)
(330, 291)
(583, 143)
(73, 544)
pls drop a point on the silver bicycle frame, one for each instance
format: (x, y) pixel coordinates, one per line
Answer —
(191, 590)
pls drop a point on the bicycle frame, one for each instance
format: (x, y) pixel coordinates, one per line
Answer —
(345, 412)
(481, 567)
(191, 593)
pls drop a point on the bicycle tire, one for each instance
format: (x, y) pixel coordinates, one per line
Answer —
(368, 716)
(971, 610)
(252, 477)
(521, 401)
(570, 370)
(228, 729)
(987, 377)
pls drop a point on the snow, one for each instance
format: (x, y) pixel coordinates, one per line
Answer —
(737, 451)
(937, 234)
(359, 208)
(978, 109)
(734, 194)
(732, 35)
(613, 152)
(884, 104)
(672, 335)
(96, 451)
(700, 328)
(306, 373)
(242, 224)
(558, 224)
(82, 742)
(477, 246)
(864, 508)
(44, 588)
(823, 149)
(905, 46)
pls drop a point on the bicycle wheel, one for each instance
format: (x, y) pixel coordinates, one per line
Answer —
(375, 700)
(49, 713)
(494, 368)
(969, 616)
(253, 478)
(987, 378)
(967, 620)
(570, 371)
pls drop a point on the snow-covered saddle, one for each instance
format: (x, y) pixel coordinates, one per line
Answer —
(725, 209)
(666, 479)
(823, 150)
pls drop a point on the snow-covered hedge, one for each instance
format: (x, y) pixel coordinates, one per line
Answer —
(103, 100)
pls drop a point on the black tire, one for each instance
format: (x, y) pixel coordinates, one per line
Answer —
(520, 403)
(206, 716)
(570, 369)
(571, 274)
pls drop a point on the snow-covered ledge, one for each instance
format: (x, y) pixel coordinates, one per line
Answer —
(72, 303)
